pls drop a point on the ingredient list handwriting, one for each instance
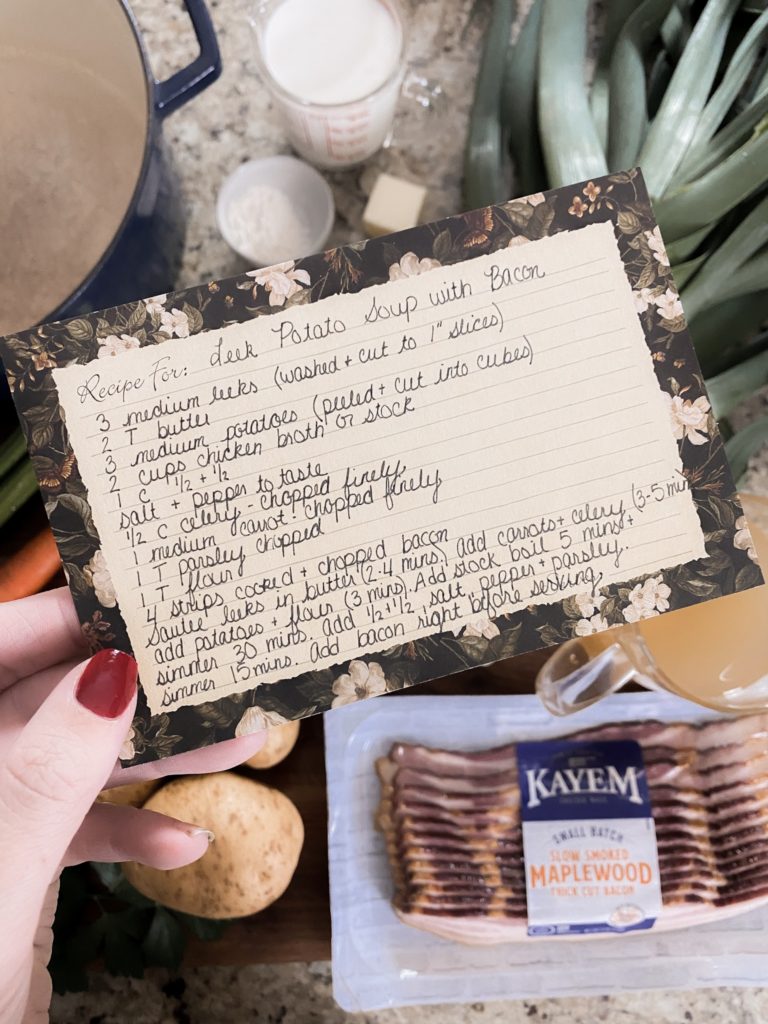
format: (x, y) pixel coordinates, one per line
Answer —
(348, 475)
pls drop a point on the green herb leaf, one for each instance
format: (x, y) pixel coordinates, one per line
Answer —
(163, 945)
(109, 874)
(112, 877)
(202, 927)
(123, 953)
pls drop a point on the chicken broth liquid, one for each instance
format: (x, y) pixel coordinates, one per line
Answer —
(712, 652)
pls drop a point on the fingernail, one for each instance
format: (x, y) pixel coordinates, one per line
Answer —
(108, 684)
(193, 833)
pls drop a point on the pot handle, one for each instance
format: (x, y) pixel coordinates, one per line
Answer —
(202, 72)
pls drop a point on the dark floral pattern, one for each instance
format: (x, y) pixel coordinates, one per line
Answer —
(620, 199)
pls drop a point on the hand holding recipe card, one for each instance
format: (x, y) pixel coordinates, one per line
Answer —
(382, 464)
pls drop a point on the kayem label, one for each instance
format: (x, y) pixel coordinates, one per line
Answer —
(589, 840)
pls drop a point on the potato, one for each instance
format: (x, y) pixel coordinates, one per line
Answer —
(280, 741)
(132, 795)
(259, 835)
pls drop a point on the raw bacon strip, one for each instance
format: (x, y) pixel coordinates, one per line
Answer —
(724, 767)
(674, 843)
(744, 828)
(706, 761)
(450, 762)
(677, 736)
(681, 735)
(491, 783)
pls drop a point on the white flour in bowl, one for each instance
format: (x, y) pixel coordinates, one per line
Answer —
(264, 225)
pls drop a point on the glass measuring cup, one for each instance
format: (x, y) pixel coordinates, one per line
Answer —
(715, 653)
(336, 134)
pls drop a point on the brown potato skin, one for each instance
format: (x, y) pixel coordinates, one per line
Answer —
(281, 739)
(259, 836)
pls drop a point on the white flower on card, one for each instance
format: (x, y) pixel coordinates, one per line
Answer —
(516, 240)
(647, 600)
(411, 266)
(668, 304)
(689, 419)
(586, 604)
(113, 345)
(175, 323)
(482, 626)
(643, 298)
(281, 281)
(743, 538)
(256, 720)
(128, 750)
(97, 574)
(535, 199)
(360, 682)
(657, 247)
(156, 305)
(594, 624)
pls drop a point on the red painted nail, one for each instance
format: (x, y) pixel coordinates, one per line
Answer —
(108, 683)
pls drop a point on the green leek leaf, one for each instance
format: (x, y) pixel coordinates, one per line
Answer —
(728, 389)
(628, 110)
(743, 445)
(674, 126)
(484, 174)
(572, 150)
(700, 202)
(723, 270)
(518, 105)
(722, 99)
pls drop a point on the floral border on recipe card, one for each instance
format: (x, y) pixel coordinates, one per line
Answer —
(730, 564)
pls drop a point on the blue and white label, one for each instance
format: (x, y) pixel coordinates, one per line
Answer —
(589, 840)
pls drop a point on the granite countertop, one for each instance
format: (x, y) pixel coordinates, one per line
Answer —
(231, 122)
(234, 120)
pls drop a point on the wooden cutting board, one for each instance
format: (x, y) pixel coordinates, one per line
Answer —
(298, 927)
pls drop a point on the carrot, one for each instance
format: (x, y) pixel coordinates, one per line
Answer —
(30, 568)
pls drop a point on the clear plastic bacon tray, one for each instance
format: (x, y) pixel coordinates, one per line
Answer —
(380, 962)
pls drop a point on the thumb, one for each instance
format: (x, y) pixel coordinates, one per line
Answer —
(53, 773)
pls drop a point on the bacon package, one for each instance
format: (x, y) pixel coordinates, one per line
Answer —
(454, 837)
(460, 839)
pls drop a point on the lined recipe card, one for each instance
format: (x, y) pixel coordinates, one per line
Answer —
(337, 477)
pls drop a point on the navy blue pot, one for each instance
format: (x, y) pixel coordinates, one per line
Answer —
(101, 97)
(144, 256)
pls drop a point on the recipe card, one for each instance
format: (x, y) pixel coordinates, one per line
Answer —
(351, 473)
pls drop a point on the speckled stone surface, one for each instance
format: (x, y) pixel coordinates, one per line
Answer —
(233, 121)
(301, 994)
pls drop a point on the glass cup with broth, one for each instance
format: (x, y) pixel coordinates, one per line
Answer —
(335, 70)
(715, 653)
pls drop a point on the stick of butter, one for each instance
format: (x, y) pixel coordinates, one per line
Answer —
(394, 205)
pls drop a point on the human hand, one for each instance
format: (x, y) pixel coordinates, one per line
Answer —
(62, 723)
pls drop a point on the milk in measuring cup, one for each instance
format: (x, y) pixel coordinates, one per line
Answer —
(335, 67)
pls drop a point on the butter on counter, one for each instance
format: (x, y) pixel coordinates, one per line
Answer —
(394, 204)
